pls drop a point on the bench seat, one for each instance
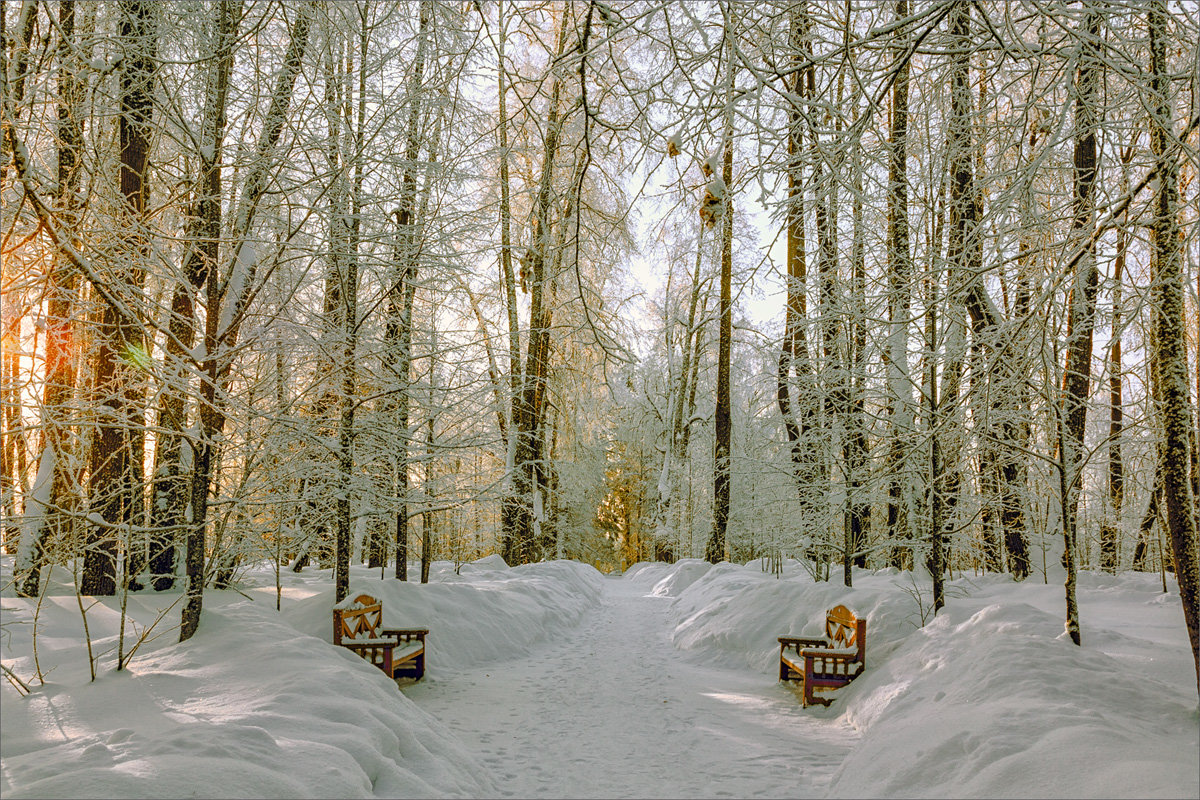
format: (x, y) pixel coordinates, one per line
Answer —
(825, 663)
(358, 626)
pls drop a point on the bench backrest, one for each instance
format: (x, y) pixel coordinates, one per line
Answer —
(845, 630)
(361, 620)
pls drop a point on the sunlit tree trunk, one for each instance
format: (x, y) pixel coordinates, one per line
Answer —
(50, 521)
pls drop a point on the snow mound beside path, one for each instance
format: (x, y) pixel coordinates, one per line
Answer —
(485, 612)
(988, 699)
(258, 703)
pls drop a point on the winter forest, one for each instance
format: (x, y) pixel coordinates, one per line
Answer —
(868, 297)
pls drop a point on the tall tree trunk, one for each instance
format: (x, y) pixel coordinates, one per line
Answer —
(1015, 425)
(116, 464)
(1110, 529)
(857, 446)
(171, 482)
(529, 419)
(899, 394)
(429, 519)
(722, 419)
(12, 444)
(1169, 358)
(1081, 316)
(398, 333)
(962, 257)
(226, 305)
(51, 520)
(798, 412)
(508, 508)
(343, 154)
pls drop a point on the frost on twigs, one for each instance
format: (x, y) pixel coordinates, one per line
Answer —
(711, 165)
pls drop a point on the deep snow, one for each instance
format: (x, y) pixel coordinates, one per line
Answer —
(551, 680)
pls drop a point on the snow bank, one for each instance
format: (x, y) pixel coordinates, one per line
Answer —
(486, 612)
(988, 699)
(258, 704)
(668, 580)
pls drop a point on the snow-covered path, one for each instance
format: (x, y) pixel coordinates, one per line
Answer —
(614, 710)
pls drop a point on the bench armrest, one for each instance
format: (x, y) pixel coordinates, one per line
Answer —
(831, 654)
(419, 633)
(803, 641)
(387, 644)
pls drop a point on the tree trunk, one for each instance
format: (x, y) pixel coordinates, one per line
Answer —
(529, 419)
(226, 305)
(116, 464)
(1169, 358)
(398, 333)
(798, 412)
(508, 508)
(722, 421)
(343, 154)
(171, 481)
(857, 446)
(1110, 530)
(899, 394)
(1081, 317)
(51, 521)
(961, 254)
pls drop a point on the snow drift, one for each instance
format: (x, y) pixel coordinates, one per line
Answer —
(987, 699)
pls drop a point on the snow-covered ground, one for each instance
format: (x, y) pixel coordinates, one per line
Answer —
(551, 680)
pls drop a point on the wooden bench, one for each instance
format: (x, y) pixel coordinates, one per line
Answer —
(827, 663)
(358, 625)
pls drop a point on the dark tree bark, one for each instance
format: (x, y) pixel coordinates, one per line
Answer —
(116, 472)
(798, 412)
(228, 306)
(1169, 358)
(172, 484)
(1110, 552)
(398, 332)
(962, 255)
(899, 297)
(1081, 316)
(714, 551)
(529, 417)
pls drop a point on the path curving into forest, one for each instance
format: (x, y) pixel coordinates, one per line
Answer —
(614, 710)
